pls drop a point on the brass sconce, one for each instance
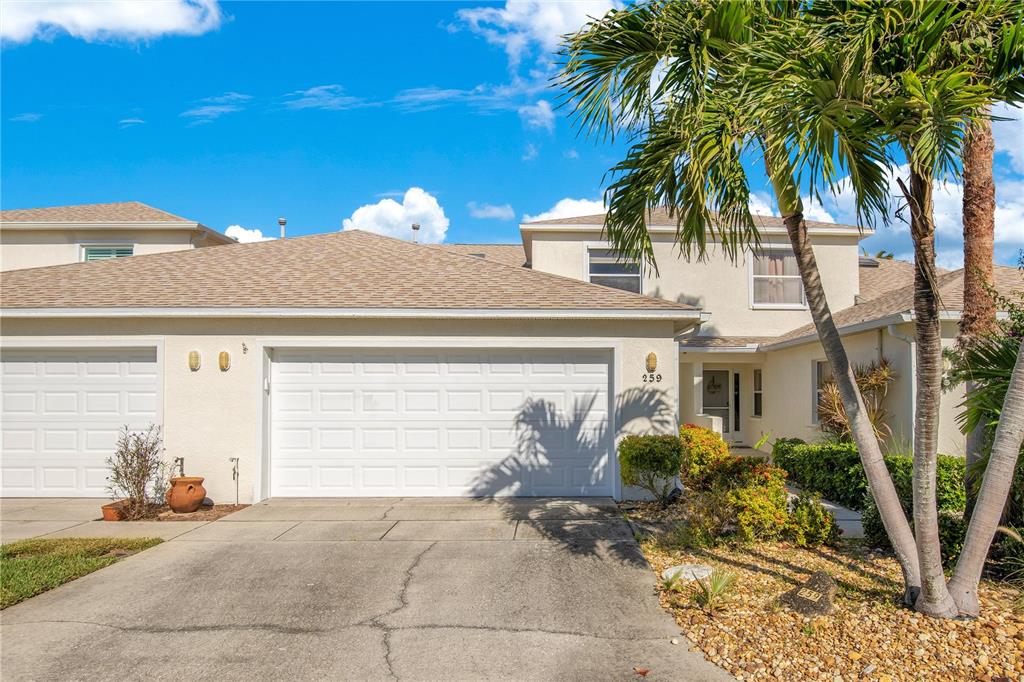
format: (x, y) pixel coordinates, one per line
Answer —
(194, 360)
(652, 362)
(224, 361)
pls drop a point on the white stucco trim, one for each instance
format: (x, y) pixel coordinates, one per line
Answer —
(394, 313)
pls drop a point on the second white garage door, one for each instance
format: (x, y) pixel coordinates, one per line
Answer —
(434, 423)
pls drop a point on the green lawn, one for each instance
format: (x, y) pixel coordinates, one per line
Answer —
(30, 567)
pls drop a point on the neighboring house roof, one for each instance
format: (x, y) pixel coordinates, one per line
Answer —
(119, 212)
(660, 217)
(509, 254)
(119, 215)
(346, 273)
(880, 275)
(899, 302)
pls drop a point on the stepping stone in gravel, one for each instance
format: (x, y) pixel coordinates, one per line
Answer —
(687, 572)
(813, 597)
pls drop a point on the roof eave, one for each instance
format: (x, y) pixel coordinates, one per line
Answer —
(102, 225)
(394, 313)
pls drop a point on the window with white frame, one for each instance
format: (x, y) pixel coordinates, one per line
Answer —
(822, 376)
(776, 280)
(758, 394)
(106, 252)
(607, 268)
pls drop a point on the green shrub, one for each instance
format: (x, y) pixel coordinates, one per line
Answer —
(834, 470)
(810, 524)
(650, 462)
(710, 516)
(761, 511)
(952, 530)
(701, 447)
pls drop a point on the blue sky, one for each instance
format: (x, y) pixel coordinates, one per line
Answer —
(326, 112)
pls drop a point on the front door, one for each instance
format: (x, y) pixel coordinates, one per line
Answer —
(722, 399)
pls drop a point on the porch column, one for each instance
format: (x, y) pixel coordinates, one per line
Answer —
(698, 388)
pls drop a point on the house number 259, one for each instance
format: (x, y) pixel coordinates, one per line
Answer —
(652, 378)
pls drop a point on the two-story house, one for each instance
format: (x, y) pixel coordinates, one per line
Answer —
(352, 364)
(37, 237)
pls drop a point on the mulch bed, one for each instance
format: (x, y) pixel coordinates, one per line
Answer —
(870, 636)
(204, 513)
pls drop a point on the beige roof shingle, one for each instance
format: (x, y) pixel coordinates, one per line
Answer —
(724, 341)
(660, 216)
(120, 212)
(340, 270)
(509, 254)
(1008, 282)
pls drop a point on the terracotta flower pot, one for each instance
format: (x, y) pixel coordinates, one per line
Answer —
(113, 511)
(186, 494)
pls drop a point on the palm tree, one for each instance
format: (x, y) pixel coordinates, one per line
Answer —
(732, 79)
(695, 126)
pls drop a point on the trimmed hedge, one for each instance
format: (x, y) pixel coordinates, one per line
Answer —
(651, 462)
(834, 471)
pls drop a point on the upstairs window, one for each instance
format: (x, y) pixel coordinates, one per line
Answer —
(606, 269)
(105, 252)
(776, 281)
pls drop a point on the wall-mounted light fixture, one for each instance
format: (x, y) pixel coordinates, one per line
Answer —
(224, 361)
(652, 361)
(194, 360)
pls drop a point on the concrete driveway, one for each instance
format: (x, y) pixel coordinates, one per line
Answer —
(409, 589)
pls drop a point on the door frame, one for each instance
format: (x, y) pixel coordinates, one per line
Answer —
(735, 433)
(264, 349)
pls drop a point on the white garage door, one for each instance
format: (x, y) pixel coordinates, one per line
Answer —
(61, 413)
(369, 423)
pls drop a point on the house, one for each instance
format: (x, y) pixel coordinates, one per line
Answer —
(351, 364)
(37, 237)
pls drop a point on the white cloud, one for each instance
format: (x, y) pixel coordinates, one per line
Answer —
(568, 208)
(388, 217)
(761, 204)
(571, 154)
(129, 122)
(531, 152)
(484, 97)
(24, 20)
(246, 235)
(212, 108)
(813, 210)
(331, 97)
(28, 117)
(523, 27)
(1009, 135)
(486, 211)
(539, 115)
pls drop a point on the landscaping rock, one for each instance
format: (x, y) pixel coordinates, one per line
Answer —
(813, 597)
(687, 572)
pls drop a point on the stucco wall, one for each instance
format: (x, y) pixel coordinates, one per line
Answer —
(39, 248)
(210, 416)
(789, 393)
(717, 286)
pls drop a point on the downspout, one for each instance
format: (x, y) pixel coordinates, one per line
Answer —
(910, 341)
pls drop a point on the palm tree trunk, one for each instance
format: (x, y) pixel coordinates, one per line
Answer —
(979, 313)
(995, 487)
(934, 599)
(879, 481)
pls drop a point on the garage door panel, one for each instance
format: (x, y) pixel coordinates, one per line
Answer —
(440, 423)
(62, 411)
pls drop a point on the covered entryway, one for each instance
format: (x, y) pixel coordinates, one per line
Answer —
(61, 413)
(481, 422)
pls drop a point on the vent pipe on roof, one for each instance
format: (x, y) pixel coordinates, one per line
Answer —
(282, 222)
(415, 231)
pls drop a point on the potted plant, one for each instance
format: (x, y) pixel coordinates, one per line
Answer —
(138, 474)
